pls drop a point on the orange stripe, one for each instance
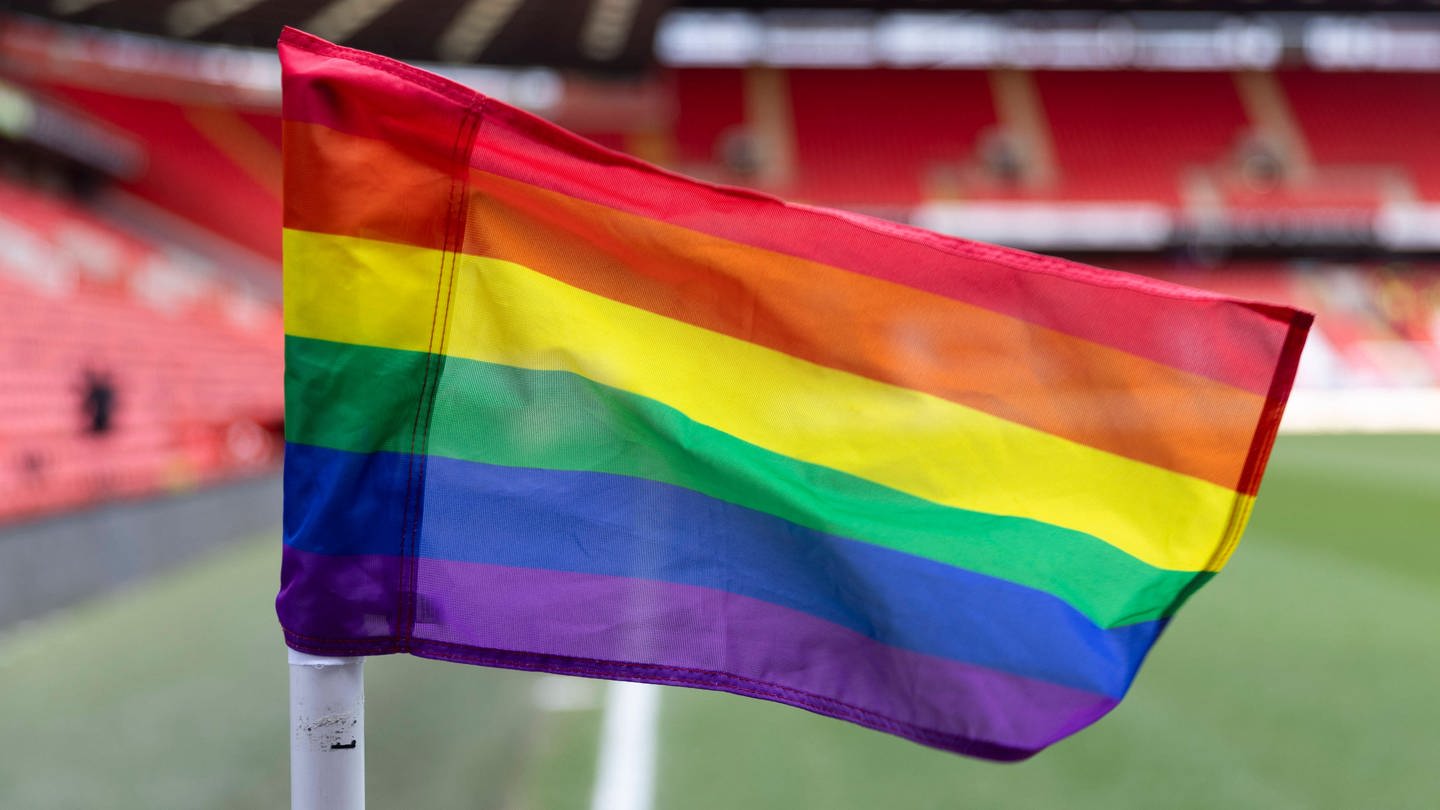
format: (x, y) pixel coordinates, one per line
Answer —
(1094, 394)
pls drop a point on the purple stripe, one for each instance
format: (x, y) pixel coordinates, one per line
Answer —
(339, 600)
(614, 627)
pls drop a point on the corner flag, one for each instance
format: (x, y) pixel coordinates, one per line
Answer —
(552, 408)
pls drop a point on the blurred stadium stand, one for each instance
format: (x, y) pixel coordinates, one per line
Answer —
(128, 369)
(1260, 148)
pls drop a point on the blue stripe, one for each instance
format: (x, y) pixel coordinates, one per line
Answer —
(597, 523)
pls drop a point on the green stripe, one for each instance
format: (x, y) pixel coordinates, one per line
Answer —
(501, 415)
(347, 397)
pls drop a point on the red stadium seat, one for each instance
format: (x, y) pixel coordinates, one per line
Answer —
(181, 376)
(1370, 119)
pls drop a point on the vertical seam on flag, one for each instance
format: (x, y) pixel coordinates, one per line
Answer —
(1280, 385)
(1265, 433)
(454, 237)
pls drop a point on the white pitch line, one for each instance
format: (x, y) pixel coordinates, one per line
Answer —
(625, 772)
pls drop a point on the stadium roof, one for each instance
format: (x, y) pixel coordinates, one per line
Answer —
(594, 34)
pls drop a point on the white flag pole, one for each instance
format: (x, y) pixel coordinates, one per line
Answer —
(625, 773)
(327, 732)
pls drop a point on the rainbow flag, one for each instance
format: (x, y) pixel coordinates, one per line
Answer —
(552, 408)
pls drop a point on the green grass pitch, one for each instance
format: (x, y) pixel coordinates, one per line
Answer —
(1306, 676)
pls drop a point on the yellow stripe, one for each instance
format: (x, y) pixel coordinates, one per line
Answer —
(381, 294)
(360, 291)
